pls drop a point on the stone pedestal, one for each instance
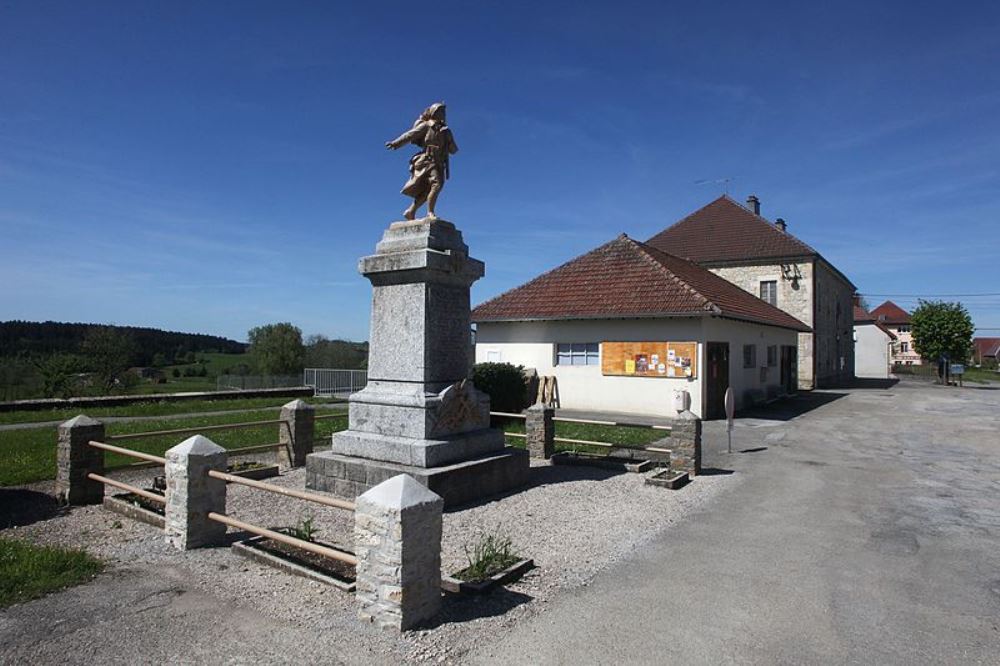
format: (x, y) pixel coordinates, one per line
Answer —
(685, 444)
(192, 494)
(420, 414)
(296, 433)
(75, 459)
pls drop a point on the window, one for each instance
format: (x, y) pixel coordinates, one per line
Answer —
(904, 329)
(493, 356)
(904, 347)
(769, 291)
(772, 355)
(578, 353)
(749, 356)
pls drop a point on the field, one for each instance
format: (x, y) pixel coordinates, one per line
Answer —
(30, 454)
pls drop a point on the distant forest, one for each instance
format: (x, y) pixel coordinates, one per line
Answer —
(26, 338)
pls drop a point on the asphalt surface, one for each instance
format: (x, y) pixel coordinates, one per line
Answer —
(867, 530)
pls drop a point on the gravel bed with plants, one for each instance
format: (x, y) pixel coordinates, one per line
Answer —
(573, 521)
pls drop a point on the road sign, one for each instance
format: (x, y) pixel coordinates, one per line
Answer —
(730, 410)
(957, 369)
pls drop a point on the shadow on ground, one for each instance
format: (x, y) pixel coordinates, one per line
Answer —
(875, 384)
(545, 475)
(19, 507)
(468, 607)
(792, 407)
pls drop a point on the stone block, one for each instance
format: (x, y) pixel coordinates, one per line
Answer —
(75, 459)
(398, 541)
(540, 430)
(192, 494)
(685, 444)
(296, 433)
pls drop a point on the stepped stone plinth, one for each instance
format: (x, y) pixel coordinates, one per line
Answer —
(420, 414)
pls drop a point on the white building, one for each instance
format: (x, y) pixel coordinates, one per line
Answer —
(873, 346)
(625, 326)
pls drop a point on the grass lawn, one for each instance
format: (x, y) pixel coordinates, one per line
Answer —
(28, 572)
(152, 408)
(617, 435)
(30, 455)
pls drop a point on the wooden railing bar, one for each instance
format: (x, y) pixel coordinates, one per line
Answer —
(288, 492)
(153, 497)
(196, 430)
(129, 452)
(588, 442)
(284, 538)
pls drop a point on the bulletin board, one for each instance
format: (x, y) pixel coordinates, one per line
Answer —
(650, 359)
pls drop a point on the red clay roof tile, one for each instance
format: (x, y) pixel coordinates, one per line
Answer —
(890, 313)
(626, 278)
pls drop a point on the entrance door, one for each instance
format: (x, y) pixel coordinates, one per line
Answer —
(717, 381)
(789, 369)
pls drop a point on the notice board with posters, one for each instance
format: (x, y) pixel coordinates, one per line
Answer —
(650, 359)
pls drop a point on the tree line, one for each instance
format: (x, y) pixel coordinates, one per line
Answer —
(35, 339)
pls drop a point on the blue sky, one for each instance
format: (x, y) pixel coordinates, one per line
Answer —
(212, 166)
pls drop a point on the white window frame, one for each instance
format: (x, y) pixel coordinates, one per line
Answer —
(588, 352)
(761, 283)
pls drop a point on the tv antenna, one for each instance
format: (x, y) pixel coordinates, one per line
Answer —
(724, 182)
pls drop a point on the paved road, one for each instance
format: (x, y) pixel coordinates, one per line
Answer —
(867, 531)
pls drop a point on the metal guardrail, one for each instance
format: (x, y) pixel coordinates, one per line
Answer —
(148, 459)
(284, 538)
(287, 492)
(334, 381)
(588, 442)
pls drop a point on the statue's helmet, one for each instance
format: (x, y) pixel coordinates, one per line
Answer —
(433, 110)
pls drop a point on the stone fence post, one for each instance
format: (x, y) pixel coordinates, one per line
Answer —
(296, 433)
(685, 443)
(75, 459)
(192, 494)
(397, 535)
(540, 430)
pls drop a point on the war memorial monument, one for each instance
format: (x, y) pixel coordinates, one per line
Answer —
(420, 413)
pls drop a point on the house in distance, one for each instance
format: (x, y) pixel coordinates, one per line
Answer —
(627, 327)
(897, 320)
(764, 259)
(873, 345)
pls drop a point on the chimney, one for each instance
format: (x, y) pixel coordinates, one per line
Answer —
(753, 203)
(780, 223)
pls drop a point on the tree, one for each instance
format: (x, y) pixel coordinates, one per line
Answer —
(941, 328)
(59, 374)
(108, 352)
(277, 348)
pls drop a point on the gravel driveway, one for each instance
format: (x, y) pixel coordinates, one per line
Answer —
(155, 603)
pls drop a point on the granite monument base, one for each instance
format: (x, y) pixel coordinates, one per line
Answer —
(457, 483)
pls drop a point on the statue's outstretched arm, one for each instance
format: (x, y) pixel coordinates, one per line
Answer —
(404, 138)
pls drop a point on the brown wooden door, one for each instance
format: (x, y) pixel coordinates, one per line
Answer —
(717, 379)
(789, 369)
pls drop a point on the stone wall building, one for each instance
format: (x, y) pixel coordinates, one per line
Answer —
(737, 243)
(897, 320)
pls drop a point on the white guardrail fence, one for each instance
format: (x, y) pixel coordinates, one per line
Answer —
(334, 383)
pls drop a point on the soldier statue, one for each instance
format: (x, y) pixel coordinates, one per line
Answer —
(428, 168)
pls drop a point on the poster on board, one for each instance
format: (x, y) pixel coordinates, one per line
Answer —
(650, 359)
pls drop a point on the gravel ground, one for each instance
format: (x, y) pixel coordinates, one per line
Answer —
(573, 521)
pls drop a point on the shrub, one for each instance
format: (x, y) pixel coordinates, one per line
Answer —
(504, 383)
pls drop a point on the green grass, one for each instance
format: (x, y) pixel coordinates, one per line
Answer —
(929, 370)
(30, 455)
(617, 435)
(28, 571)
(151, 408)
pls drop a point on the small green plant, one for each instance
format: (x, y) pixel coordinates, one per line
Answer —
(487, 556)
(305, 529)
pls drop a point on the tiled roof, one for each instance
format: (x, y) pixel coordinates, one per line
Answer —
(726, 231)
(890, 313)
(986, 347)
(626, 278)
(860, 314)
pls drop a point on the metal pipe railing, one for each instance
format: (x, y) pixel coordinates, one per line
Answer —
(509, 415)
(288, 492)
(329, 416)
(159, 460)
(284, 538)
(621, 424)
(195, 430)
(132, 489)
